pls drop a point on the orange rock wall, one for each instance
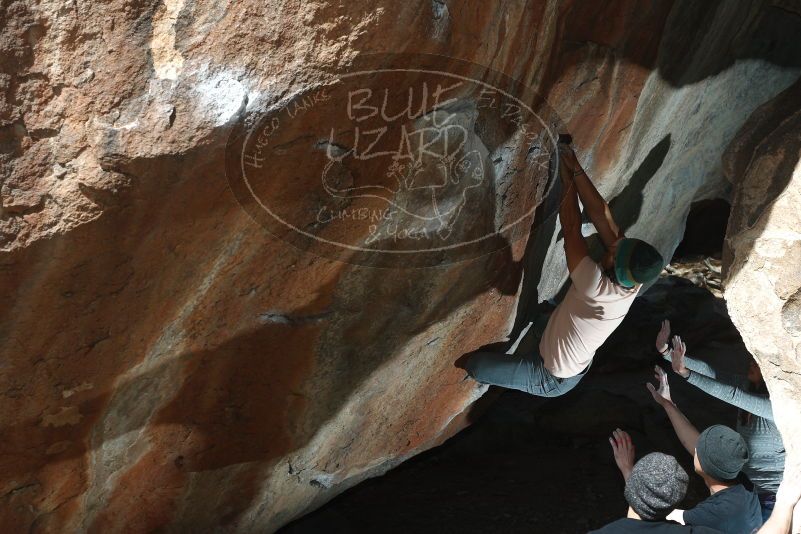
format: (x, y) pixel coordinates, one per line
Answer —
(166, 363)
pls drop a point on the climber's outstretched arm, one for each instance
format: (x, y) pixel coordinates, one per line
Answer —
(570, 217)
(687, 433)
(597, 208)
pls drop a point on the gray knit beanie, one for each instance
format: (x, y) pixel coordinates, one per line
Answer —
(722, 452)
(656, 485)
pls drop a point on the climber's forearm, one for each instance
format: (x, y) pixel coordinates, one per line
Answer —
(687, 433)
(569, 213)
(593, 202)
(597, 209)
(570, 218)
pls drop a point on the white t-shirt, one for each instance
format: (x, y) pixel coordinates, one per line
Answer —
(591, 310)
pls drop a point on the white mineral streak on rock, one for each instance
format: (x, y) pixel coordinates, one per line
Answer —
(440, 19)
(67, 393)
(221, 95)
(167, 61)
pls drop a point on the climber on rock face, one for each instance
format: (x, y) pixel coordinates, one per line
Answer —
(596, 303)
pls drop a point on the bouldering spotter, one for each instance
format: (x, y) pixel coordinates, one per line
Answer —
(755, 421)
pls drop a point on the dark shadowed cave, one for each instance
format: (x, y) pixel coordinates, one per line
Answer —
(529, 464)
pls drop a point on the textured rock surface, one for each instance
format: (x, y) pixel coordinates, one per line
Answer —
(168, 364)
(763, 254)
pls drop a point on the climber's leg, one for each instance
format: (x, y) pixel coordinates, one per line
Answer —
(566, 384)
(514, 372)
(524, 373)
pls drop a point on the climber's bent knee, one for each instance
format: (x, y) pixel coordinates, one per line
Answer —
(515, 372)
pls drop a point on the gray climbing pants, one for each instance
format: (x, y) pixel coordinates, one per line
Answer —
(517, 372)
(524, 373)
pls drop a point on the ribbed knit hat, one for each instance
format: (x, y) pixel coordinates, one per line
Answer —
(657, 484)
(722, 452)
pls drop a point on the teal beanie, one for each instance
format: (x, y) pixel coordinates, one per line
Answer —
(636, 262)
